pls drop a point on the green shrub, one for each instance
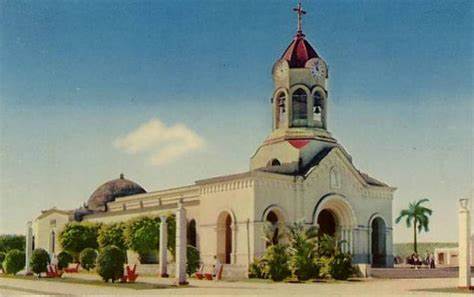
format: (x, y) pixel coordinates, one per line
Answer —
(256, 269)
(39, 261)
(64, 258)
(171, 221)
(142, 236)
(276, 262)
(110, 263)
(2, 258)
(341, 266)
(10, 242)
(193, 260)
(76, 237)
(87, 258)
(14, 261)
(112, 234)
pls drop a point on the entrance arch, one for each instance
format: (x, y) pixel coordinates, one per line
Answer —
(224, 237)
(327, 223)
(192, 234)
(275, 217)
(334, 216)
(378, 242)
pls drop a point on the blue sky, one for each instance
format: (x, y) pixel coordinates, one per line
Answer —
(76, 77)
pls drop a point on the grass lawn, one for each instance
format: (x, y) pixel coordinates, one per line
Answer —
(72, 280)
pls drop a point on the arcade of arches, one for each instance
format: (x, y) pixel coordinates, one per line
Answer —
(224, 237)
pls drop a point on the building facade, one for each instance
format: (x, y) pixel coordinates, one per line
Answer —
(299, 173)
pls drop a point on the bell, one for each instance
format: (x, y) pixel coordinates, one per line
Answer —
(317, 109)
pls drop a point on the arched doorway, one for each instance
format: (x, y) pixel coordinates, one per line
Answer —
(326, 223)
(192, 234)
(52, 243)
(334, 216)
(272, 218)
(224, 237)
(378, 239)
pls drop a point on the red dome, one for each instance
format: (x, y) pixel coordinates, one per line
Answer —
(299, 52)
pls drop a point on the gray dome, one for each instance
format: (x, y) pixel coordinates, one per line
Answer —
(112, 190)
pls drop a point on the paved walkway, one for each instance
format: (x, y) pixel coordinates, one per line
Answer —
(165, 287)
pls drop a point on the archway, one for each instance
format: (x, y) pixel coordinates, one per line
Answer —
(327, 223)
(192, 234)
(334, 216)
(378, 239)
(272, 218)
(224, 237)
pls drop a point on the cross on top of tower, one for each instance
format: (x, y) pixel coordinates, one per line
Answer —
(300, 12)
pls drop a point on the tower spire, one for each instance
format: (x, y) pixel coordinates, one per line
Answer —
(300, 12)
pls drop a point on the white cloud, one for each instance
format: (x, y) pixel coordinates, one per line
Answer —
(164, 144)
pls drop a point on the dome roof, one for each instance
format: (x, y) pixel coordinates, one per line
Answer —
(112, 190)
(299, 52)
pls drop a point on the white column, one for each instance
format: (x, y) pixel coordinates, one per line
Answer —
(464, 248)
(29, 246)
(344, 237)
(351, 240)
(181, 244)
(163, 247)
(233, 252)
(300, 199)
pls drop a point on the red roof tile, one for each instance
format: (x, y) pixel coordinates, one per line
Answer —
(299, 52)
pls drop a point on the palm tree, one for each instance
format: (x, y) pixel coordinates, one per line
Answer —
(419, 215)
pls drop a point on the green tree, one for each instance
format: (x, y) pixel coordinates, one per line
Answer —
(329, 246)
(39, 261)
(340, 266)
(14, 261)
(142, 235)
(273, 233)
(275, 262)
(10, 242)
(193, 259)
(110, 263)
(112, 234)
(417, 214)
(171, 220)
(77, 236)
(2, 257)
(302, 251)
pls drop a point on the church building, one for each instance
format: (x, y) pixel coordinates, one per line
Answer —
(300, 172)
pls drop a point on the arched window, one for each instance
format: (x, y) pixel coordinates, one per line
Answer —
(274, 162)
(280, 110)
(318, 106)
(335, 179)
(53, 242)
(272, 218)
(300, 111)
(192, 233)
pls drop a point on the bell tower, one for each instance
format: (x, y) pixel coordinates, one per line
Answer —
(299, 106)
